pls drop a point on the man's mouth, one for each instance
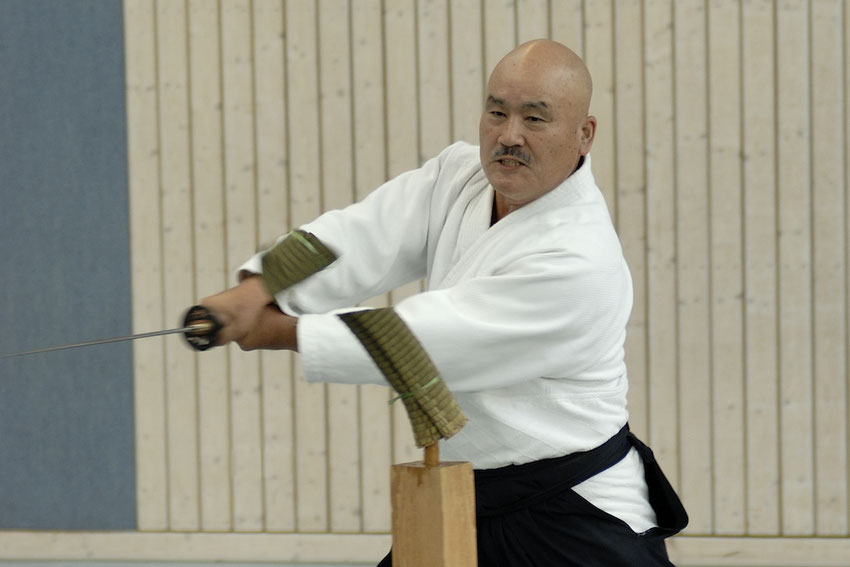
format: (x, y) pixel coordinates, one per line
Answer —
(511, 157)
(510, 162)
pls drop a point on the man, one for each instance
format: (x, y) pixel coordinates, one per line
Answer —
(527, 300)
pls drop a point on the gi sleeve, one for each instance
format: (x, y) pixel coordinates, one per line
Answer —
(381, 241)
(548, 315)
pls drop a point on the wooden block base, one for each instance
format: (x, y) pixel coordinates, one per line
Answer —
(433, 515)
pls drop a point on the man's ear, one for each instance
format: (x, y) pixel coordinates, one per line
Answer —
(587, 132)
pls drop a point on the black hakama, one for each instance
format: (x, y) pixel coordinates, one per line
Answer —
(529, 516)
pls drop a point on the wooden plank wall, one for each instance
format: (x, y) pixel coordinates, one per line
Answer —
(722, 151)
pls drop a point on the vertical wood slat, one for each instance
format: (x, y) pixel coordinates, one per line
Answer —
(145, 248)
(661, 254)
(737, 344)
(794, 269)
(759, 236)
(400, 81)
(566, 23)
(692, 249)
(829, 246)
(240, 208)
(499, 30)
(211, 275)
(846, 233)
(725, 254)
(433, 82)
(532, 19)
(598, 44)
(468, 77)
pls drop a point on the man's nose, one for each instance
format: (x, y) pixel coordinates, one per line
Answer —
(512, 133)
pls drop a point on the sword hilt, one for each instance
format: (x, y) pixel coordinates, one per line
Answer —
(205, 328)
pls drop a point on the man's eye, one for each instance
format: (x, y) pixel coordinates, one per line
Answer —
(534, 119)
(497, 113)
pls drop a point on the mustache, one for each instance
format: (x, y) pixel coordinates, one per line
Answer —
(511, 151)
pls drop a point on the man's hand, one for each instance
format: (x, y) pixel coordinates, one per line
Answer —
(249, 318)
(275, 330)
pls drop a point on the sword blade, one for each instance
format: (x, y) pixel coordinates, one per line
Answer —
(201, 327)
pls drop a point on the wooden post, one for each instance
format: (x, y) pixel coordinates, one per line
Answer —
(433, 508)
(432, 455)
(433, 504)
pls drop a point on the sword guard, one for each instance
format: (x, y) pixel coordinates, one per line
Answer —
(205, 328)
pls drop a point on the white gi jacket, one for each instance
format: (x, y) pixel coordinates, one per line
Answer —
(525, 320)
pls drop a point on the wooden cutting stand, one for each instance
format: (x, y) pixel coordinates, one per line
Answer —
(433, 503)
(433, 511)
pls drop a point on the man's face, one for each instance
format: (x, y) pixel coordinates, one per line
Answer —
(532, 132)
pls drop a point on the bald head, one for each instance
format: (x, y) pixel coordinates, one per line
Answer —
(547, 61)
(535, 126)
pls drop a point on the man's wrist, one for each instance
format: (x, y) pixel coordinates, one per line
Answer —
(256, 289)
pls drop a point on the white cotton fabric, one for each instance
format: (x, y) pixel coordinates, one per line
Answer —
(525, 319)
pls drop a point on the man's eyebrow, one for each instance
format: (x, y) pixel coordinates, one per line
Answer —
(539, 105)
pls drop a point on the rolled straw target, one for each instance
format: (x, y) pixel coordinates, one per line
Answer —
(433, 411)
(299, 255)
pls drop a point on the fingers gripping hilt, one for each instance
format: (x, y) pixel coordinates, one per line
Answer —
(204, 328)
(294, 258)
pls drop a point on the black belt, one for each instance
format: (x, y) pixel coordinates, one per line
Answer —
(511, 488)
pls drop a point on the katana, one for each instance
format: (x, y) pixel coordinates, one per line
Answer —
(296, 257)
(200, 328)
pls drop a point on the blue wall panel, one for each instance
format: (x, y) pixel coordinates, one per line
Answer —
(66, 418)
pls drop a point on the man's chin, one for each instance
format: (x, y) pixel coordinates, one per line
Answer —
(508, 181)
